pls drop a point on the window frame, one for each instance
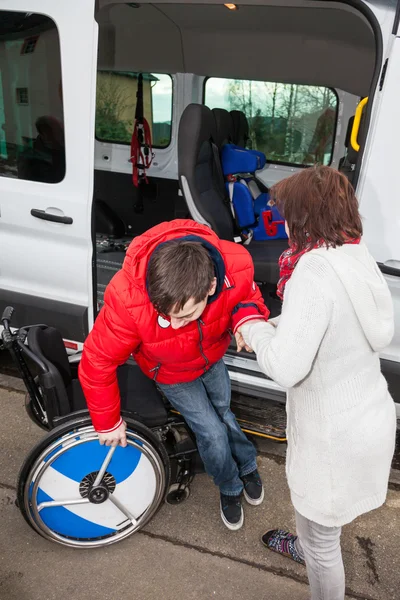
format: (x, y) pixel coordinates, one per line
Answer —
(33, 39)
(18, 93)
(15, 149)
(279, 162)
(105, 141)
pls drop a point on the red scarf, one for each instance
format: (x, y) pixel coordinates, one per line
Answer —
(289, 260)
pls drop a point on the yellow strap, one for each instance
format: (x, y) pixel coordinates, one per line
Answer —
(356, 125)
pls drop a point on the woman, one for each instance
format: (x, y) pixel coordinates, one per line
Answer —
(337, 315)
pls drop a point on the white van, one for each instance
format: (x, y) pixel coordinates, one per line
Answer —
(298, 69)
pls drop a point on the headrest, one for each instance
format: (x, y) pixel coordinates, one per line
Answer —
(224, 127)
(239, 160)
(197, 126)
(240, 128)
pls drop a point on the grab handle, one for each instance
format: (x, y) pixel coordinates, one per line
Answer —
(7, 316)
(356, 125)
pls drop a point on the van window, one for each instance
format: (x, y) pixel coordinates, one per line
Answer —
(31, 105)
(292, 124)
(116, 105)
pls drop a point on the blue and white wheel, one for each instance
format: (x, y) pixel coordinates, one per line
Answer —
(74, 491)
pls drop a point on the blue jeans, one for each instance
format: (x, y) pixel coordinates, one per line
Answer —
(204, 403)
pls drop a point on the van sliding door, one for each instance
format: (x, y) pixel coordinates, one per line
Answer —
(47, 99)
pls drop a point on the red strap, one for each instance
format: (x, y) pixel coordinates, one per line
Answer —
(271, 227)
(141, 160)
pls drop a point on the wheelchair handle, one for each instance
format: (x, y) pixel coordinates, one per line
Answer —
(17, 340)
(7, 316)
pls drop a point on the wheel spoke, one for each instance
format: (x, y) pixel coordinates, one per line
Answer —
(123, 509)
(104, 466)
(54, 503)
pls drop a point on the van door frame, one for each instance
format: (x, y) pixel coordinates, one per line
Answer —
(369, 14)
(68, 303)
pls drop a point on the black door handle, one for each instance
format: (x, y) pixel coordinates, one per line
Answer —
(41, 214)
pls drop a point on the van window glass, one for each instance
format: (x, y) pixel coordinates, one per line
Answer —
(292, 124)
(31, 105)
(116, 106)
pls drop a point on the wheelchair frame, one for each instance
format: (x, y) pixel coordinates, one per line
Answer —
(166, 453)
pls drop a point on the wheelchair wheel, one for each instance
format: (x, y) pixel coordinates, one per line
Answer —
(75, 492)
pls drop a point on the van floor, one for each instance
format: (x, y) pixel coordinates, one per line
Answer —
(108, 263)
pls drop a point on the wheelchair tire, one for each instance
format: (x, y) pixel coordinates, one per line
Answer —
(56, 492)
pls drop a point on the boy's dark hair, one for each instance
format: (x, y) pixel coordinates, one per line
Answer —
(318, 203)
(178, 271)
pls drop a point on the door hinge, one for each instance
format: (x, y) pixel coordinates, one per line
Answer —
(383, 75)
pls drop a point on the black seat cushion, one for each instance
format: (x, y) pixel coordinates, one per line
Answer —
(139, 396)
(265, 257)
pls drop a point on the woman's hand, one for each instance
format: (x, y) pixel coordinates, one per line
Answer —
(114, 438)
(240, 342)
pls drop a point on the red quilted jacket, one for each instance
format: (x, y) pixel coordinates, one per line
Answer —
(129, 324)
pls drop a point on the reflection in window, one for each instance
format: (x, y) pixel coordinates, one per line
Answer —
(116, 105)
(29, 45)
(31, 109)
(290, 123)
(22, 96)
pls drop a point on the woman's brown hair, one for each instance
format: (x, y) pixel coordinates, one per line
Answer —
(318, 203)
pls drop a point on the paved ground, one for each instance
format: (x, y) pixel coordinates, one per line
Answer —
(185, 552)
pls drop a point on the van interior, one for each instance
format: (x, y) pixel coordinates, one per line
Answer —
(294, 70)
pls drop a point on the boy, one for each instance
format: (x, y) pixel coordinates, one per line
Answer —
(180, 292)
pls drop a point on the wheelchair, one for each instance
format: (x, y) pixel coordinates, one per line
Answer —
(72, 490)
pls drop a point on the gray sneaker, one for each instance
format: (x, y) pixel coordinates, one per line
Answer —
(253, 488)
(232, 512)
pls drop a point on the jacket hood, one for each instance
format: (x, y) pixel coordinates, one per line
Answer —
(367, 290)
(140, 250)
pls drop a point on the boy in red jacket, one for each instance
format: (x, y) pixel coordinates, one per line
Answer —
(179, 294)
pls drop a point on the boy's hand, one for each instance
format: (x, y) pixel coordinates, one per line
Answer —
(114, 438)
(240, 343)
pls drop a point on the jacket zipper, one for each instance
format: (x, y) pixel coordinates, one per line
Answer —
(155, 371)
(199, 324)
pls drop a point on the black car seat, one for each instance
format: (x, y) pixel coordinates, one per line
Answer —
(203, 187)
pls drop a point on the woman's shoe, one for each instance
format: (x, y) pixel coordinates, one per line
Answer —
(283, 543)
